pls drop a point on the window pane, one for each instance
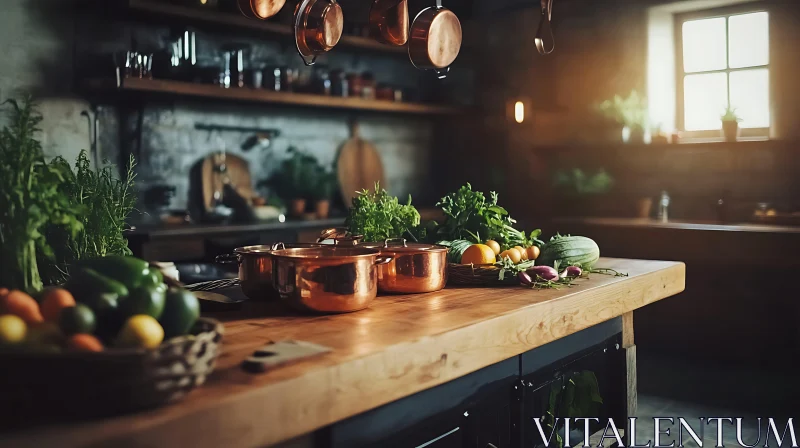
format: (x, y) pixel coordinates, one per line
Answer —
(749, 39)
(704, 46)
(704, 99)
(750, 97)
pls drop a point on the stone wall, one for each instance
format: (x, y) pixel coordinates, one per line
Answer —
(49, 41)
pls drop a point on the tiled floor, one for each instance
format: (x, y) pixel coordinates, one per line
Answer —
(690, 389)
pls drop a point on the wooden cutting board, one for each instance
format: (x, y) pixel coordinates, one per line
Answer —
(238, 171)
(358, 166)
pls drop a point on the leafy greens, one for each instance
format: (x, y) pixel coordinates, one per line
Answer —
(378, 216)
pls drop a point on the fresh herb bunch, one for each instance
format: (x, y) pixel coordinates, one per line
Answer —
(30, 200)
(377, 216)
(106, 200)
(470, 216)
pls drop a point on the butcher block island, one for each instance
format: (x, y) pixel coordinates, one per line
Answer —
(460, 367)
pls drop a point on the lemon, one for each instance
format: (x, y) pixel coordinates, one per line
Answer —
(12, 329)
(141, 331)
(478, 254)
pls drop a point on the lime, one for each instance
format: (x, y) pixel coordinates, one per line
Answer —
(77, 319)
(145, 300)
(180, 312)
(12, 329)
(141, 331)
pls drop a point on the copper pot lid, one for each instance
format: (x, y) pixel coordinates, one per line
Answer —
(317, 28)
(265, 249)
(400, 245)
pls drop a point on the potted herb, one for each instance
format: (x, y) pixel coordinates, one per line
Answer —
(579, 192)
(630, 113)
(730, 124)
(324, 187)
(291, 180)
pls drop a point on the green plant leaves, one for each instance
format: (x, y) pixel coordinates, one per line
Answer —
(378, 216)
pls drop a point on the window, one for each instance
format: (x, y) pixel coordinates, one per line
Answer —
(723, 60)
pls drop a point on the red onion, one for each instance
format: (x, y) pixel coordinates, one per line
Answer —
(571, 271)
(524, 278)
(546, 273)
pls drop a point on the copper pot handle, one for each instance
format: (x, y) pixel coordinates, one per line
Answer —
(441, 73)
(297, 19)
(228, 259)
(383, 259)
(334, 233)
(395, 240)
(278, 246)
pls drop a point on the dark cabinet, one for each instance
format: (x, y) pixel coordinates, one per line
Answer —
(496, 407)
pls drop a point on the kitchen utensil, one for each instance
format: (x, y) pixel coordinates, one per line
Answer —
(435, 39)
(279, 353)
(388, 21)
(414, 268)
(216, 172)
(255, 268)
(327, 279)
(358, 166)
(260, 9)
(214, 285)
(213, 302)
(317, 28)
(545, 32)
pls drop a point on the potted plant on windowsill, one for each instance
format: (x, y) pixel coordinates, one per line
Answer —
(730, 124)
(630, 113)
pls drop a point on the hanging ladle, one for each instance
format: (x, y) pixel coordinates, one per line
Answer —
(545, 29)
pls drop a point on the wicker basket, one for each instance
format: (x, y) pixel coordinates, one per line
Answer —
(477, 275)
(39, 386)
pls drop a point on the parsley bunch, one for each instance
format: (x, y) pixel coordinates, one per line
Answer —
(378, 216)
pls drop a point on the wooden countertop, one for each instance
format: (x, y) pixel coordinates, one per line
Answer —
(399, 346)
(682, 225)
(180, 230)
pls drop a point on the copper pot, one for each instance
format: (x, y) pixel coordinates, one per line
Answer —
(260, 9)
(414, 268)
(388, 21)
(327, 279)
(435, 39)
(317, 27)
(255, 268)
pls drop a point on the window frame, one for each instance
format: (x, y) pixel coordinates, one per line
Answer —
(680, 73)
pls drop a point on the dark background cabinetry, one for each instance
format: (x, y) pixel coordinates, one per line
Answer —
(495, 406)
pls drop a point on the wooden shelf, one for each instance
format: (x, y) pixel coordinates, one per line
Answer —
(216, 17)
(188, 89)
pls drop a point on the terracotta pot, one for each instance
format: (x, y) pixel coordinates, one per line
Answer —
(730, 130)
(643, 207)
(297, 207)
(323, 208)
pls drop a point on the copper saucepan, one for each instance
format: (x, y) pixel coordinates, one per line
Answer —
(435, 39)
(255, 268)
(388, 21)
(318, 27)
(260, 9)
(415, 268)
(327, 279)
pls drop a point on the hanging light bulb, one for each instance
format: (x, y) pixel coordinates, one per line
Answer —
(519, 112)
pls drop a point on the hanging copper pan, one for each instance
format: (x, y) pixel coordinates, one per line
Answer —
(317, 28)
(435, 39)
(260, 9)
(388, 21)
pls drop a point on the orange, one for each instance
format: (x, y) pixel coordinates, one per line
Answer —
(533, 252)
(84, 343)
(55, 300)
(21, 304)
(494, 245)
(522, 252)
(513, 254)
(478, 254)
